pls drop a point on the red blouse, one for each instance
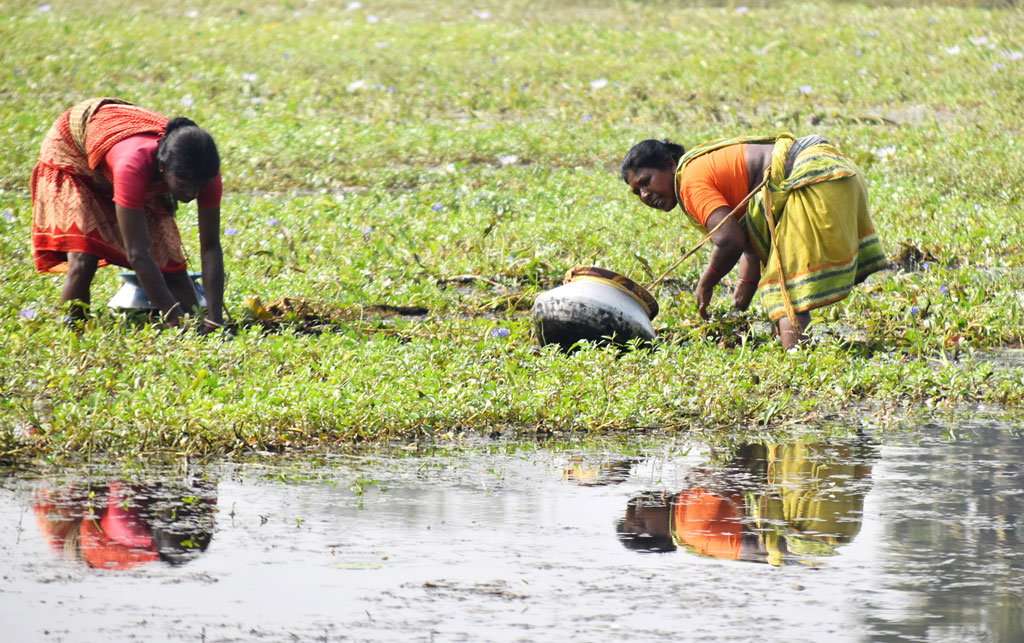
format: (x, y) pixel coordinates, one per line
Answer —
(131, 165)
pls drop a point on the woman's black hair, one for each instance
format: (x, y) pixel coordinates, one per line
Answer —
(651, 153)
(188, 152)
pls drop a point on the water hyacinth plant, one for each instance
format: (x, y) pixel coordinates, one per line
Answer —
(385, 229)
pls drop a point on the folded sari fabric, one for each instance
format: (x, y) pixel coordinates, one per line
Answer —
(72, 191)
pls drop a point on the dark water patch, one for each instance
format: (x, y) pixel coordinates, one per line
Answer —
(1004, 358)
(908, 536)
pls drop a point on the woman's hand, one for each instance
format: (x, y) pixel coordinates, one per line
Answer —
(209, 326)
(743, 294)
(749, 275)
(704, 292)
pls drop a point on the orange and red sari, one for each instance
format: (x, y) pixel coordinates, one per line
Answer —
(72, 190)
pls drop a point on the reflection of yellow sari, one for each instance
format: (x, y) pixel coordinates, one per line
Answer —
(813, 492)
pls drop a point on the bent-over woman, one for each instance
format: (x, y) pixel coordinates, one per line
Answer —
(105, 191)
(823, 242)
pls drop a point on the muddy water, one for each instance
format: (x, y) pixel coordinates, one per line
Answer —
(902, 537)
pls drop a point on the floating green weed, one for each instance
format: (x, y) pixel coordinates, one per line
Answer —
(416, 178)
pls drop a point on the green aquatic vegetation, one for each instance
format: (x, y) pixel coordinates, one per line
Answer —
(400, 188)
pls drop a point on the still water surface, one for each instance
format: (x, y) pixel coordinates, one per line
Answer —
(898, 537)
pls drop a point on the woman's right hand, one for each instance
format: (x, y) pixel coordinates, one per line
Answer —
(704, 292)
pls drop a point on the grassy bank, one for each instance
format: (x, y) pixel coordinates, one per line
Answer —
(459, 159)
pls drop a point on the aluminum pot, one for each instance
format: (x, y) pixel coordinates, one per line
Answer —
(131, 296)
(594, 304)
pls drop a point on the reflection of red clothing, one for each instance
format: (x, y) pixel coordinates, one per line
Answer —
(709, 524)
(115, 537)
(53, 522)
(100, 548)
(119, 539)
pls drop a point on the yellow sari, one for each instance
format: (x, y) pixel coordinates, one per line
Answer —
(825, 238)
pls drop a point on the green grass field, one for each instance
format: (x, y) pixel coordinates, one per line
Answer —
(460, 157)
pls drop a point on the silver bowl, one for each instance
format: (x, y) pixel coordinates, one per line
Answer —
(131, 296)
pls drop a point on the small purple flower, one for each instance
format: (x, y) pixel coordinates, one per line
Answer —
(914, 310)
(500, 331)
(437, 207)
(8, 215)
(943, 290)
(741, 9)
(44, 8)
(230, 232)
(977, 207)
(250, 78)
(806, 90)
(273, 222)
(27, 313)
(474, 201)
(187, 101)
(367, 230)
(286, 55)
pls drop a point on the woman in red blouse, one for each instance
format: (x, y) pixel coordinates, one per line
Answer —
(105, 191)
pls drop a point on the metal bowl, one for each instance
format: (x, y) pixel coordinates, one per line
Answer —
(131, 296)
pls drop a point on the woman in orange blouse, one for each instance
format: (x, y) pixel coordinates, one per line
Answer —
(823, 241)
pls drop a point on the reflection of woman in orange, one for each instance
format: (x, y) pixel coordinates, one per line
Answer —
(121, 526)
(709, 524)
(776, 504)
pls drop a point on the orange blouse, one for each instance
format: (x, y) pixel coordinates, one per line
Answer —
(713, 180)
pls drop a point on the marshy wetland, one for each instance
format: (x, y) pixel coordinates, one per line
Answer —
(377, 449)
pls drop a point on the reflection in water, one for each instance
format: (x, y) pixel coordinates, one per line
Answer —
(122, 525)
(588, 475)
(954, 538)
(775, 504)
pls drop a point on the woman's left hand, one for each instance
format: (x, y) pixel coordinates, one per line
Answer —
(743, 294)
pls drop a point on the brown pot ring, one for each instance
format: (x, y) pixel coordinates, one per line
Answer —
(623, 283)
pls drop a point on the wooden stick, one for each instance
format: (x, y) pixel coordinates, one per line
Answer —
(710, 234)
